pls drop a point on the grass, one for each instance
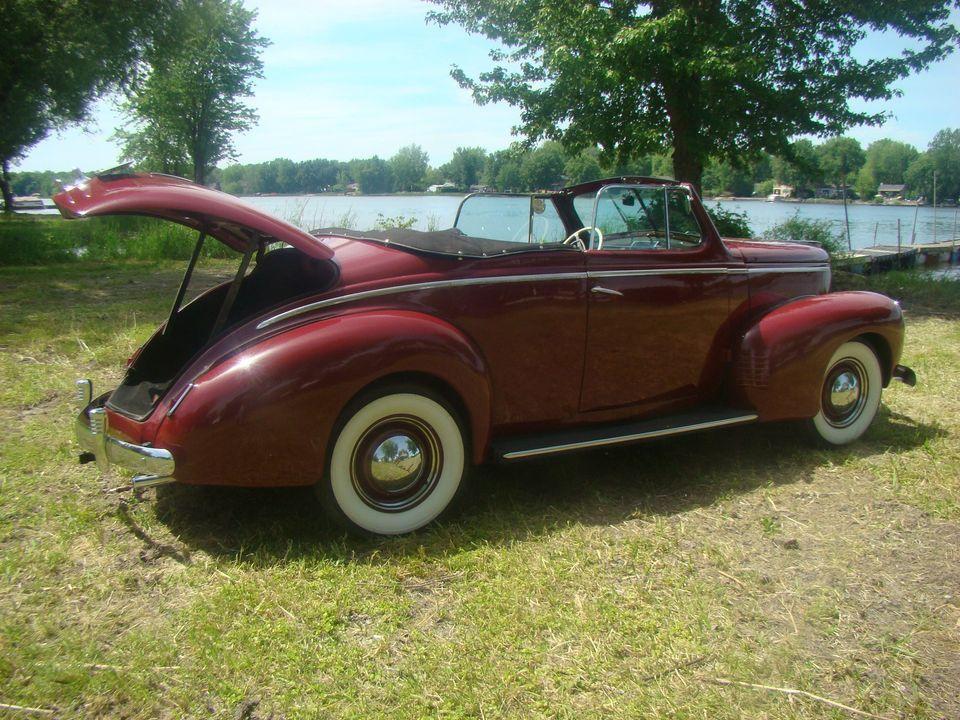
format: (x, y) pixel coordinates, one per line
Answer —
(45, 239)
(614, 584)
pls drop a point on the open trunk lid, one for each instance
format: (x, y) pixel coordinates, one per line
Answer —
(216, 213)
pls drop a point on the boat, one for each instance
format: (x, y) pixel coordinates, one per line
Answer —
(28, 202)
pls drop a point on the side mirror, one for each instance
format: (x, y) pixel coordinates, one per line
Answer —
(628, 200)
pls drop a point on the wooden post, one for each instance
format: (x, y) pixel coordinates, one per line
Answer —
(953, 242)
(913, 233)
(899, 257)
(875, 228)
(845, 215)
(934, 207)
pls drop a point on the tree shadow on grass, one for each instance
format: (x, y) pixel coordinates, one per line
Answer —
(515, 502)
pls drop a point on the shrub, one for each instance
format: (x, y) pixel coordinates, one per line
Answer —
(808, 232)
(729, 223)
(400, 222)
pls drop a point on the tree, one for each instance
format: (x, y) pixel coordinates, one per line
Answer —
(702, 78)
(56, 58)
(373, 175)
(840, 160)
(886, 162)
(542, 168)
(465, 166)
(943, 157)
(583, 167)
(799, 166)
(409, 166)
(190, 102)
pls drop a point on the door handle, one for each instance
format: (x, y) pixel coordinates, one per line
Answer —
(600, 290)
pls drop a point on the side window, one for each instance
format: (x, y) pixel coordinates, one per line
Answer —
(685, 231)
(545, 223)
(495, 217)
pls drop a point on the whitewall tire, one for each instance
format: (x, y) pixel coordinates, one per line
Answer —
(398, 462)
(849, 394)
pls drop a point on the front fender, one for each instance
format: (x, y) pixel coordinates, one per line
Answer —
(265, 415)
(783, 355)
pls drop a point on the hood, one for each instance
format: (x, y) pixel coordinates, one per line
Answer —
(755, 251)
(218, 214)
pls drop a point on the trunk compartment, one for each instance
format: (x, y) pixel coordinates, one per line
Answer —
(281, 276)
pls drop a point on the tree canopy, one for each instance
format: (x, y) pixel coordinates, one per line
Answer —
(185, 111)
(57, 57)
(703, 79)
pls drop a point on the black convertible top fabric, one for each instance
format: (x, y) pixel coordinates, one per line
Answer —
(443, 242)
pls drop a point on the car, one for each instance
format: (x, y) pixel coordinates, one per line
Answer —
(380, 366)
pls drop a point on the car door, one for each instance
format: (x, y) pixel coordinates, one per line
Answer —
(659, 295)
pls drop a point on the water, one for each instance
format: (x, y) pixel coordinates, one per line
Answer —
(438, 211)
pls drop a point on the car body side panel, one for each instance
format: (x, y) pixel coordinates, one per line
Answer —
(783, 356)
(264, 416)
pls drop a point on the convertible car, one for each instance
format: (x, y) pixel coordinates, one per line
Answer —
(379, 367)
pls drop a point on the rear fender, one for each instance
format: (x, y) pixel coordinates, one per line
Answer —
(265, 415)
(784, 354)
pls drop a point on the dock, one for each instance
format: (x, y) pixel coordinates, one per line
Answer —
(883, 258)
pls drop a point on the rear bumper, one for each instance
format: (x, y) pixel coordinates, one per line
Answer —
(151, 466)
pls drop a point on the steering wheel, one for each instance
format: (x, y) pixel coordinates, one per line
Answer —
(574, 237)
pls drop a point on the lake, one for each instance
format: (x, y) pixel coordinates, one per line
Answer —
(439, 210)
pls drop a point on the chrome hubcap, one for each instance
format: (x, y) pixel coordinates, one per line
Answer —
(396, 463)
(844, 393)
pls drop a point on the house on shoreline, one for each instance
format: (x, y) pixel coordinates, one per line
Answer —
(890, 191)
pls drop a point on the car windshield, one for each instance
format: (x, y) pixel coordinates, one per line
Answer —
(638, 217)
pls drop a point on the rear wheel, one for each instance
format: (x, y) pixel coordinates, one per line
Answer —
(849, 394)
(398, 463)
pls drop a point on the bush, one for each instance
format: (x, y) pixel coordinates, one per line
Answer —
(808, 232)
(400, 222)
(729, 223)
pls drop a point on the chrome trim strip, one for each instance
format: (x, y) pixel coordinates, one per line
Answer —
(431, 285)
(668, 271)
(629, 438)
(540, 277)
(180, 399)
(760, 269)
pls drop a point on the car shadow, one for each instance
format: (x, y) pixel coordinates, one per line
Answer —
(515, 502)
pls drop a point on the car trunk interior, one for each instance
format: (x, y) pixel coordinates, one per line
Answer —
(277, 277)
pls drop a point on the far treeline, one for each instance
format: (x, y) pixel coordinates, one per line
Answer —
(814, 170)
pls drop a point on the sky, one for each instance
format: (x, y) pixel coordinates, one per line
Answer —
(366, 77)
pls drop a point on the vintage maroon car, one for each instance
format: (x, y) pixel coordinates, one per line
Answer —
(379, 366)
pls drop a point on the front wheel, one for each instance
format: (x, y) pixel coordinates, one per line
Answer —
(849, 394)
(398, 462)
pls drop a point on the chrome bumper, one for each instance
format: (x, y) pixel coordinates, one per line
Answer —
(152, 466)
(905, 375)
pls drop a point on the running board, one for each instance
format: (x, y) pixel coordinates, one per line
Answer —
(591, 437)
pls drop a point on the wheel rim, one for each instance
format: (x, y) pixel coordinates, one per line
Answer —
(396, 463)
(845, 391)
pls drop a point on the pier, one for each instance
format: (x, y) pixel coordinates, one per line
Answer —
(883, 258)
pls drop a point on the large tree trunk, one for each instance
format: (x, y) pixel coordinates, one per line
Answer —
(687, 163)
(680, 96)
(5, 187)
